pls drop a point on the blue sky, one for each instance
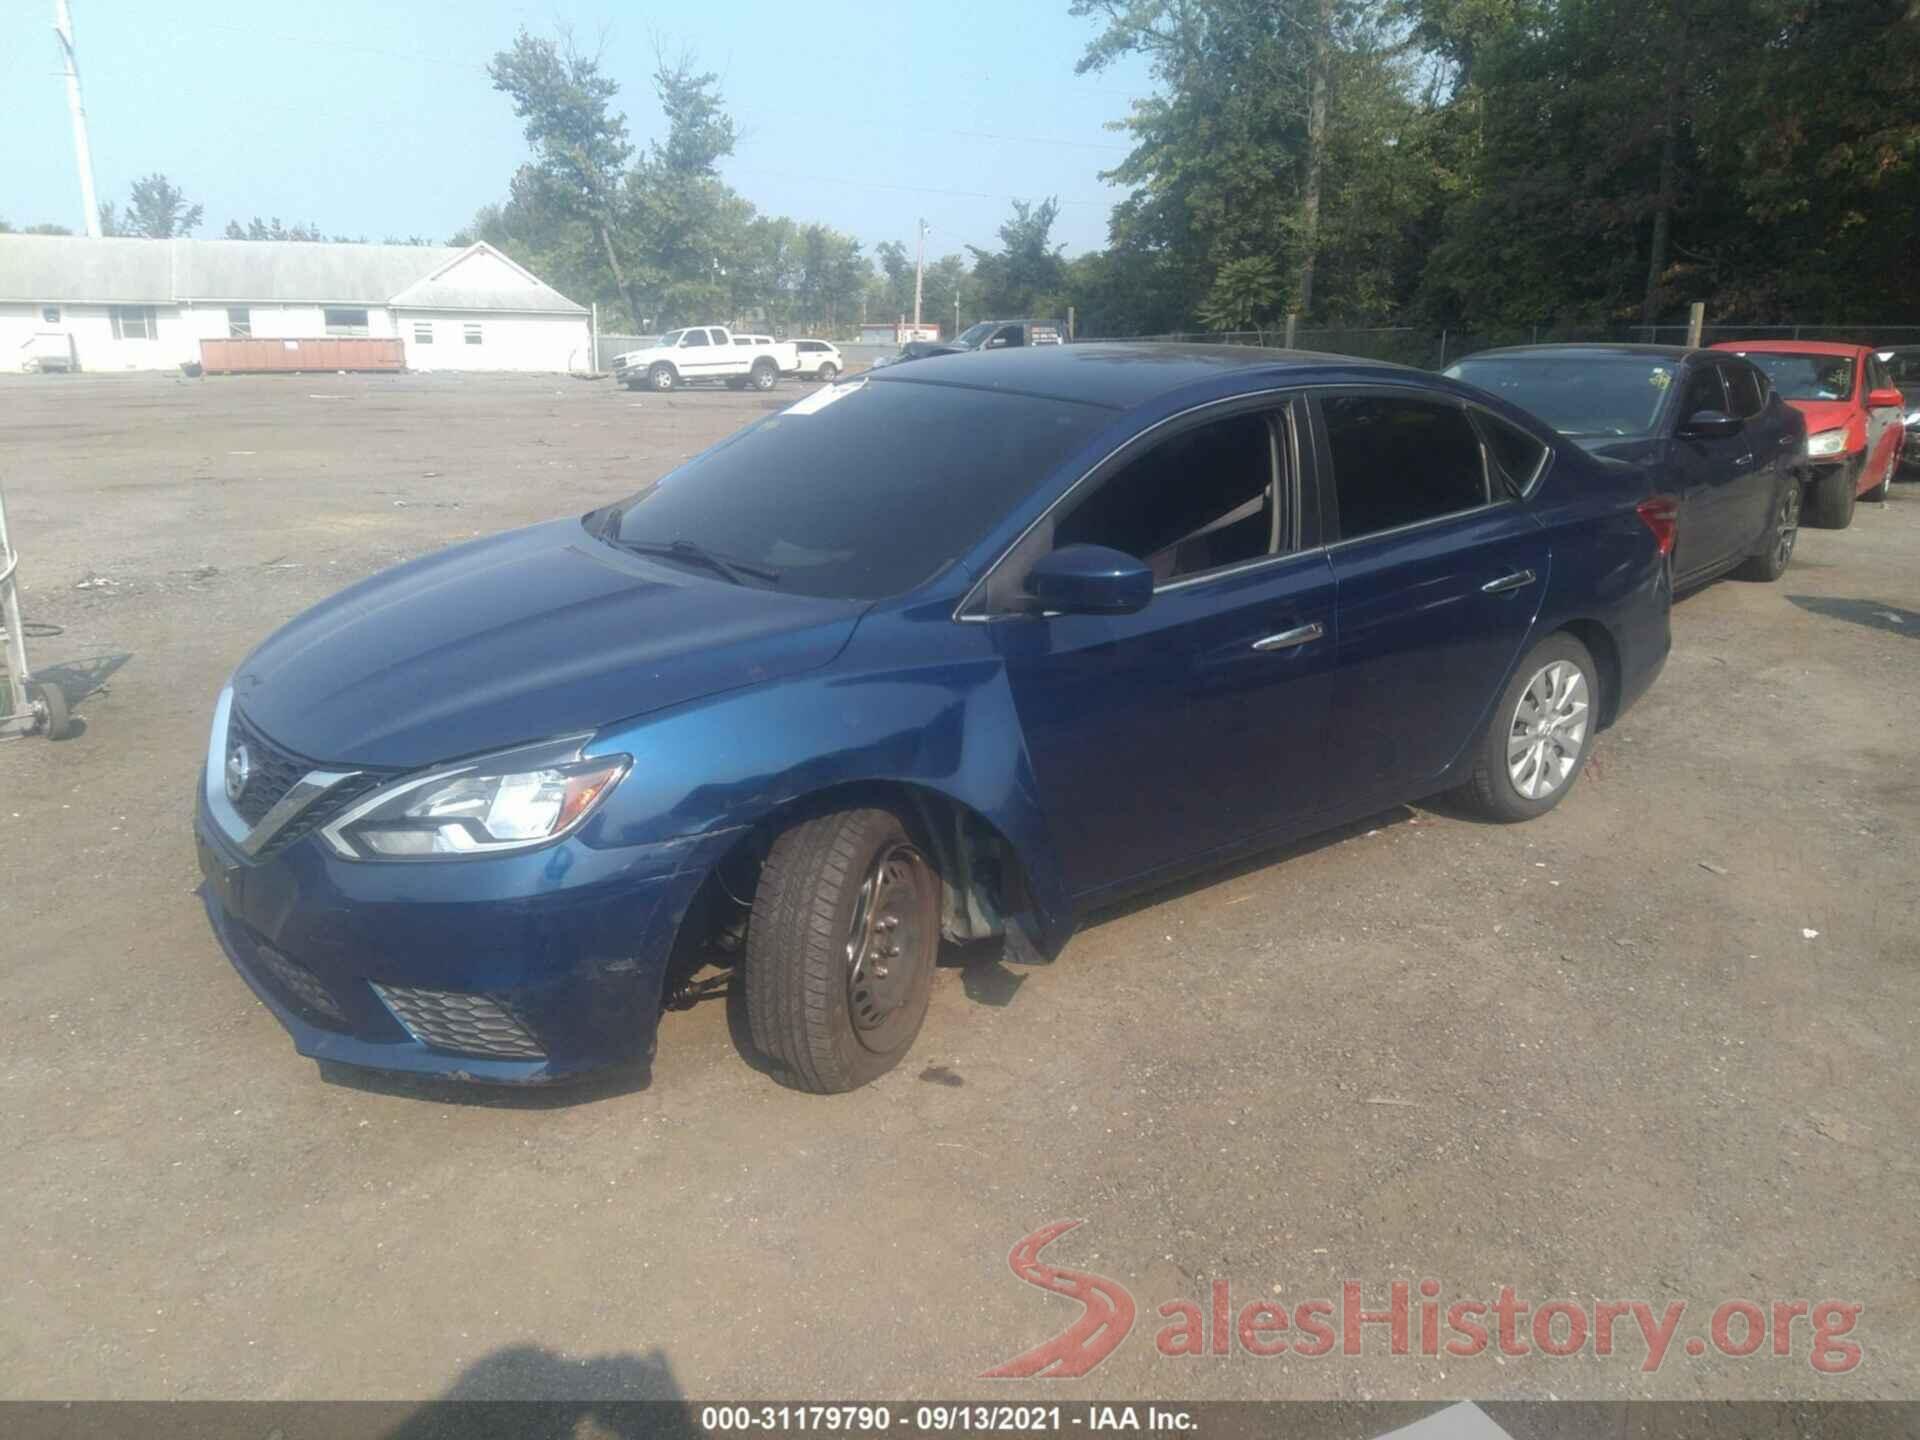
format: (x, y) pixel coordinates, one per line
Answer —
(375, 117)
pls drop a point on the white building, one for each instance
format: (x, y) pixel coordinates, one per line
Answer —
(123, 304)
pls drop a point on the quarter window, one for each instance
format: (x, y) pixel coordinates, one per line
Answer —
(345, 322)
(1514, 456)
(1200, 500)
(1398, 460)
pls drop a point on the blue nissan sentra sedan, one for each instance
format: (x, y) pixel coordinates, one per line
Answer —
(967, 649)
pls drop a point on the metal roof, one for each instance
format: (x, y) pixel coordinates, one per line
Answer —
(75, 270)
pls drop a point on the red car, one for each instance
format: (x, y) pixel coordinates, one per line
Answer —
(1854, 418)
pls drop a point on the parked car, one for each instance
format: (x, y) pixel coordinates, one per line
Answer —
(1854, 418)
(819, 359)
(1703, 427)
(987, 335)
(1903, 367)
(621, 361)
(704, 354)
(916, 657)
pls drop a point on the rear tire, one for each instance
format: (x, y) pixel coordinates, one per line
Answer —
(1771, 563)
(827, 373)
(1833, 496)
(662, 378)
(765, 375)
(841, 949)
(1540, 735)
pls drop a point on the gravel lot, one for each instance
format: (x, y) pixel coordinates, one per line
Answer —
(1660, 1045)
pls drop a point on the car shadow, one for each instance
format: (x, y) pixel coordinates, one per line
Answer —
(522, 1390)
(1893, 619)
(610, 1083)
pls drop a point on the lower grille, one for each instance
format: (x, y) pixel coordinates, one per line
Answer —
(463, 1023)
(299, 984)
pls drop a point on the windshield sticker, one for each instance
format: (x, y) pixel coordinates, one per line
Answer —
(1660, 379)
(824, 397)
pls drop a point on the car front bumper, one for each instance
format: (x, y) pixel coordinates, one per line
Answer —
(514, 969)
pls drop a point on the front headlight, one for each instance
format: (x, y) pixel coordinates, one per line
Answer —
(514, 800)
(1827, 442)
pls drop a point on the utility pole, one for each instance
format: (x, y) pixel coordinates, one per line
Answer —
(919, 271)
(63, 28)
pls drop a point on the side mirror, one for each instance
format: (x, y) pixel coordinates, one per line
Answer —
(1090, 580)
(1710, 425)
(1884, 399)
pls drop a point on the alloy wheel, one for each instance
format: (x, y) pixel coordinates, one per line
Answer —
(1789, 525)
(887, 943)
(1548, 729)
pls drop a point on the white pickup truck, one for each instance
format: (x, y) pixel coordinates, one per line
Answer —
(707, 353)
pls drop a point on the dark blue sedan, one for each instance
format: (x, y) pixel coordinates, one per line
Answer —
(965, 649)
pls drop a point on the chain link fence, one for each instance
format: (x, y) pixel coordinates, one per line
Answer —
(1433, 349)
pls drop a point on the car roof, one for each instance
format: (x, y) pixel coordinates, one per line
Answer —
(1121, 376)
(1793, 347)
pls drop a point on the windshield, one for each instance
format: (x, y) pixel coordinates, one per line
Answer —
(861, 491)
(974, 336)
(672, 337)
(1582, 396)
(1806, 377)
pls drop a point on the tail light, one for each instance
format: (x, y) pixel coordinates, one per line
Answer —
(1661, 515)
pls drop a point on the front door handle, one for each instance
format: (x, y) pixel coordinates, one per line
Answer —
(1292, 639)
(1515, 581)
(1739, 460)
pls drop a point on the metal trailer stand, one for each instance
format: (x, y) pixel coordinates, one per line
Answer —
(27, 707)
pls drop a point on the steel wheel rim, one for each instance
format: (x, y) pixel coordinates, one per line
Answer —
(887, 940)
(1548, 730)
(1789, 525)
(663, 380)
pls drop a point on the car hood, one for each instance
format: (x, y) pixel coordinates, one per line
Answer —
(1825, 414)
(535, 633)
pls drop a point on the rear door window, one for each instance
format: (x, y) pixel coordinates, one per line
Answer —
(1399, 460)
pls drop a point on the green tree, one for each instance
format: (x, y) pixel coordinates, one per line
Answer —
(157, 209)
(1026, 276)
(580, 144)
(1242, 294)
(258, 229)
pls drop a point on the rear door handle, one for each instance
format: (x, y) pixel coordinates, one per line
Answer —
(1743, 460)
(1505, 583)
(1292, 639)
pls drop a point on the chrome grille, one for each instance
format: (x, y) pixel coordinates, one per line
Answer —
(274, 770)
(463, 1023)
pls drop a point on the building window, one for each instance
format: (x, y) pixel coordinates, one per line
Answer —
(423, 332)
(239, 323)
(345, 322)
(134, 322)
(49, 314)
(473, 334)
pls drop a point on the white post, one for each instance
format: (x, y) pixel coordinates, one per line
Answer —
(83, 155)
(919, 272)
(593, 329)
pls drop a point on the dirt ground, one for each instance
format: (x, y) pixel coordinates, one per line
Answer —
(1660, 1045)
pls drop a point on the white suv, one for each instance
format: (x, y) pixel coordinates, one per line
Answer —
(819, 359)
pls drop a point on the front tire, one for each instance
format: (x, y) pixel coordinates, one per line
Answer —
(841, 949)
(1771, 563)
(662, 378)
(1879, 493)
(1541, 733)
(1833, 496)
(827, 373)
